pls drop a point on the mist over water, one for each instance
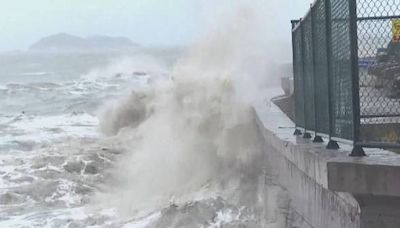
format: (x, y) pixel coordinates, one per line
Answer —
(137, 142)
(194, 137)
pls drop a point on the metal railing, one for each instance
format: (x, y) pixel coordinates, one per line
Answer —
(346, 61)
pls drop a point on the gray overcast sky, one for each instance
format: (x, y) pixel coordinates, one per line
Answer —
(148, 22)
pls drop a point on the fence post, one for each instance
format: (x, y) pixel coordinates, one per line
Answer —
(355, 81)
(332, 144)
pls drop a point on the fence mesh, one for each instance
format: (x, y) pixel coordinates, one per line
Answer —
(298, 76)
(379, 67)
(308, 56)
(321, 67)
(341, 78)
(338, 47)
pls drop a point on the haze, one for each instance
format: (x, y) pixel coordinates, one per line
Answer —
(147, 22)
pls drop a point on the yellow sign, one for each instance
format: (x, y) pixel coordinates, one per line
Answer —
(396, 31)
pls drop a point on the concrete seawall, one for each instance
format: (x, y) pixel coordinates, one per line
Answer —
(327, 188)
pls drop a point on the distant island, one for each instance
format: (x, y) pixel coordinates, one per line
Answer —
(68, 42)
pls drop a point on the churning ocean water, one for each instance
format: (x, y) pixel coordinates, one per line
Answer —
(89, 140)
(51, 155)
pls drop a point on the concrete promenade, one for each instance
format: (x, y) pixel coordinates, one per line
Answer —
(327, 188)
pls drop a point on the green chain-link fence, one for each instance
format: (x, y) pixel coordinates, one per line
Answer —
(346, 58)
(321, 69)
(298, 80)
(379, 55)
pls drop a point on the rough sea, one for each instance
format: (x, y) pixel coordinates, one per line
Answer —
(95, 140)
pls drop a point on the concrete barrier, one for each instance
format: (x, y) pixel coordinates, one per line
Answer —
(327, 188)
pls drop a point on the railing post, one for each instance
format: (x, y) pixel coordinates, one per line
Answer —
(355, 83)
(332, 144)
